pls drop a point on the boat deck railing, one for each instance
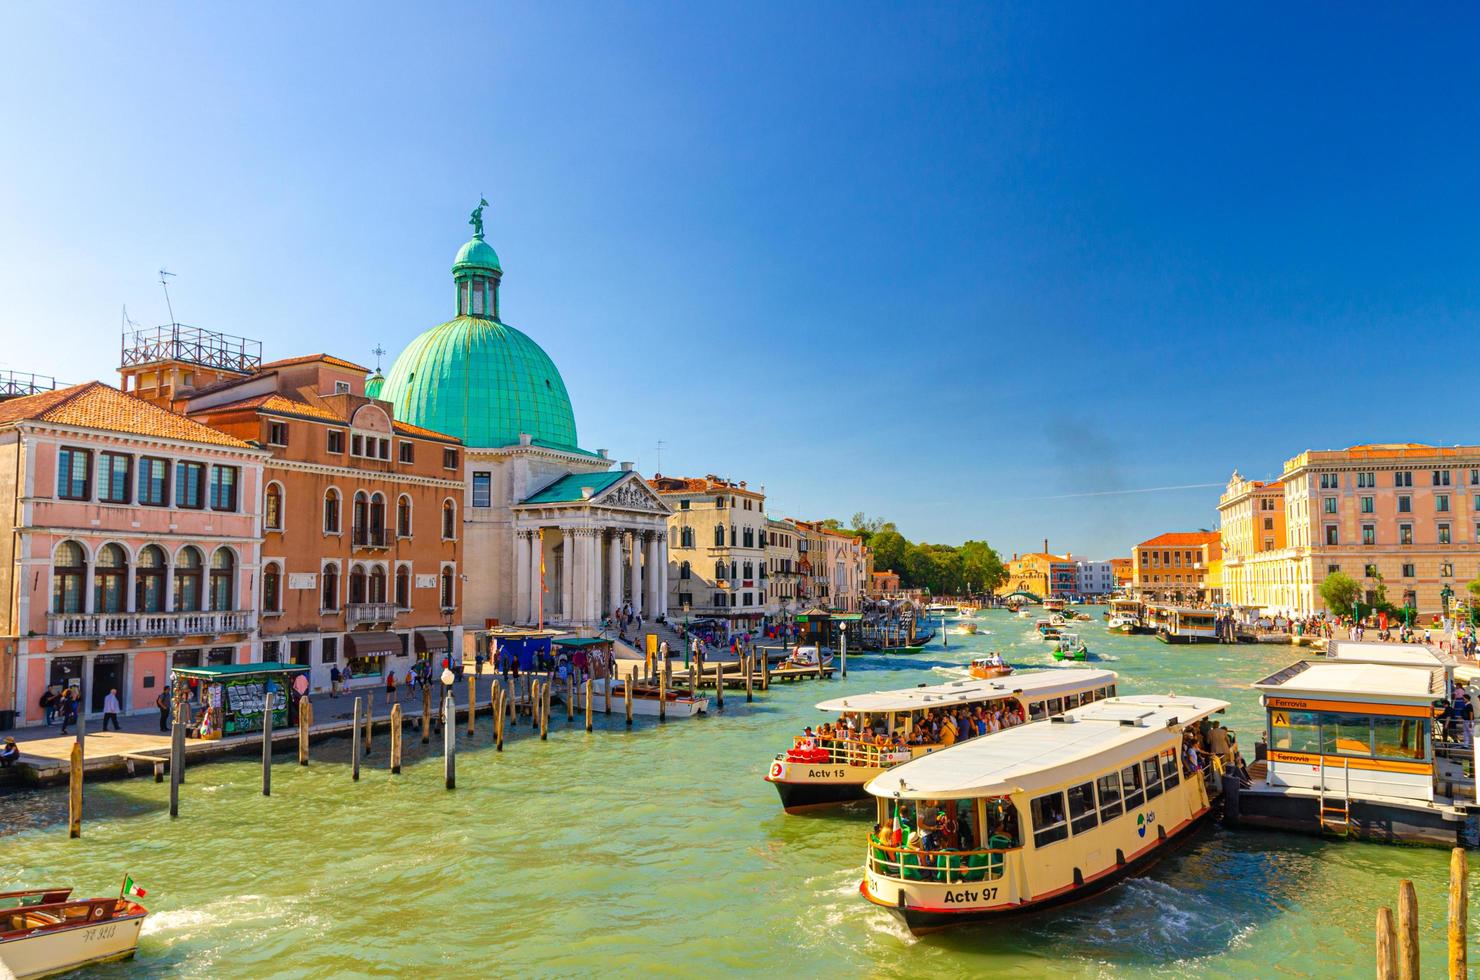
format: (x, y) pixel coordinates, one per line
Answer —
(945, 867)
(848, 752)
(24, 920)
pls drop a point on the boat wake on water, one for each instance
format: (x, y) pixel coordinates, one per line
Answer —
(1145, 918)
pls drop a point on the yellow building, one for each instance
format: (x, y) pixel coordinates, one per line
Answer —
(1042, 574)
(1406, 515)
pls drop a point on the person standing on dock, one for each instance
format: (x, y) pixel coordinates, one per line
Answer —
(48, 703)
(111, 708)
(334, 681)
(390, 688)
(68, 709)
(162, 702)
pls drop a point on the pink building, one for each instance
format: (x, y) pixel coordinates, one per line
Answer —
(129, 543)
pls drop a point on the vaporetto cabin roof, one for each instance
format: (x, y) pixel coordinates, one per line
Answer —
(1353, 681)
(1408, 654)
(1038, 683)
(1042, 755)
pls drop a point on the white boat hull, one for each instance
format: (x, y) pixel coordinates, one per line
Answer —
(679, 706)
(47, 953)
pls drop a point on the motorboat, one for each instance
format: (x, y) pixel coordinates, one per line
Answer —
(822, 768)
(1049, 813)
(809, 656)
(45, 931)
(1070, 647)
(968, 627)
(646, 698)
(990, 666)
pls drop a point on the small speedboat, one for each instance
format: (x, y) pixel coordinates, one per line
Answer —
(966, 612)
(808, 657)
(1070, 647)
(968, 627)
(645, 698)
(1057, 619)
(985, 668)
(46, 931)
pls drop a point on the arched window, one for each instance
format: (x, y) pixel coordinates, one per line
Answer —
(403, 587)
(188, 569)
(272, 588)
(149, 579)
(403, 517)
(683, 570)
(110, 580)
(719, 535)
(377, 519)
(749, 570)
(272, 509)
(356, 584)
(68, 578)
(359, 517)
(331, 511)
(720, 569)
(686, 538)
(377, 584)
(734, 569)
(330, 597)
(223, 580)
(449, 521)
(447, 593)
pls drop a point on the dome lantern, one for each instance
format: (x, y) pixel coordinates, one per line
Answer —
(476, 272)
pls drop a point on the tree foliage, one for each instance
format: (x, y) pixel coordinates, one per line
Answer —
(943, 569)
(1340, 591)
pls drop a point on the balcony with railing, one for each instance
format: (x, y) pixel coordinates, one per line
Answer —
(370, 613)
(368, 536)
(144, 625)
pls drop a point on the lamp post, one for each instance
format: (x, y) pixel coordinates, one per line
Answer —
(688, 641)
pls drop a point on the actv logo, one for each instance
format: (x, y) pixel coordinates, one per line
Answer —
(1141, 825)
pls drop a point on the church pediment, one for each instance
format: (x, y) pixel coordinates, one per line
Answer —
(632, 494)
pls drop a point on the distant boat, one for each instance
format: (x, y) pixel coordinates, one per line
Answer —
(1070, 647)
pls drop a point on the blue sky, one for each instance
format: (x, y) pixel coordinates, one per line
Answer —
(935, 263)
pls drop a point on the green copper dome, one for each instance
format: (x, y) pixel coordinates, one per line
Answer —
(484, 382)
(476, 254)
(374, 383)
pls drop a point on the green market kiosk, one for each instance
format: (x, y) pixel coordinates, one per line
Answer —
(236, 693)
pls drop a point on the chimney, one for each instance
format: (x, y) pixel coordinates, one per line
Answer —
(1045, 546)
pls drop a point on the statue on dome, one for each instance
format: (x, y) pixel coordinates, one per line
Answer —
(477, 219)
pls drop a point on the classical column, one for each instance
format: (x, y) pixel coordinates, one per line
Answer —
(593, 576)
(653, 576)
(662, 609)
(536, 593)
(522, 546)
(567, 568)
(614, 571)
(636, 571)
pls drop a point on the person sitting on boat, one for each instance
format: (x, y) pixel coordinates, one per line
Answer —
(9, 753)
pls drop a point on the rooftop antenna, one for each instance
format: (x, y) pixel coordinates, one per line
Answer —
(379, 352)
(164, 283)
(659, 467)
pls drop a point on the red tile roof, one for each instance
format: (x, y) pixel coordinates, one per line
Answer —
(1181, 539)
(306, 358)
(95, 405)
(276, 404)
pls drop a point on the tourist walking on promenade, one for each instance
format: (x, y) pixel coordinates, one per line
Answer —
(390, 688)
(49, 701)
(334, 678)
(68, 709)
(111, 708)
(162, 702)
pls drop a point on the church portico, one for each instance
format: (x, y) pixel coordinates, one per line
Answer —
(600, 549)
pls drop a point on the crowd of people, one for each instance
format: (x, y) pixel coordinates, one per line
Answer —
(937, 726)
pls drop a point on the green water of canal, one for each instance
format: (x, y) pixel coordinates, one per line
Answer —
(663, 850)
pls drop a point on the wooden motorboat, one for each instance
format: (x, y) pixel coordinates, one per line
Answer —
(808, 657)
(991, 666)
(46, 931)
(823, 769)
(968, 627)
(645, 698)
(1049, 813)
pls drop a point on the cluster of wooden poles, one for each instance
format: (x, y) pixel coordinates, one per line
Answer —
(1397, 945)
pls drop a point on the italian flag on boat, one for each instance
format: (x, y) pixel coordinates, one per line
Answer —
(130, 889)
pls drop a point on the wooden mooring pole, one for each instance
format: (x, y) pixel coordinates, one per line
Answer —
(267, 700)
(719, 684)
(694, 678)
(396, 735)
(499, 711)
(588, 704)
(177, 756)
(765, 671)
(1459, 914)
(607, 691)
(544, 694)
(472, 704)
(74, 792)
(449, 741)
(305, 722)
(749, 678)
(369, 722)
(1387, 952)
(570, 697)
(354, 744)
(426, 714)
(1407, 932)
(627, 693)
(662, 695)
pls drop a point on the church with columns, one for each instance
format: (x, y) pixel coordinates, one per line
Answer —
(552, 534)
